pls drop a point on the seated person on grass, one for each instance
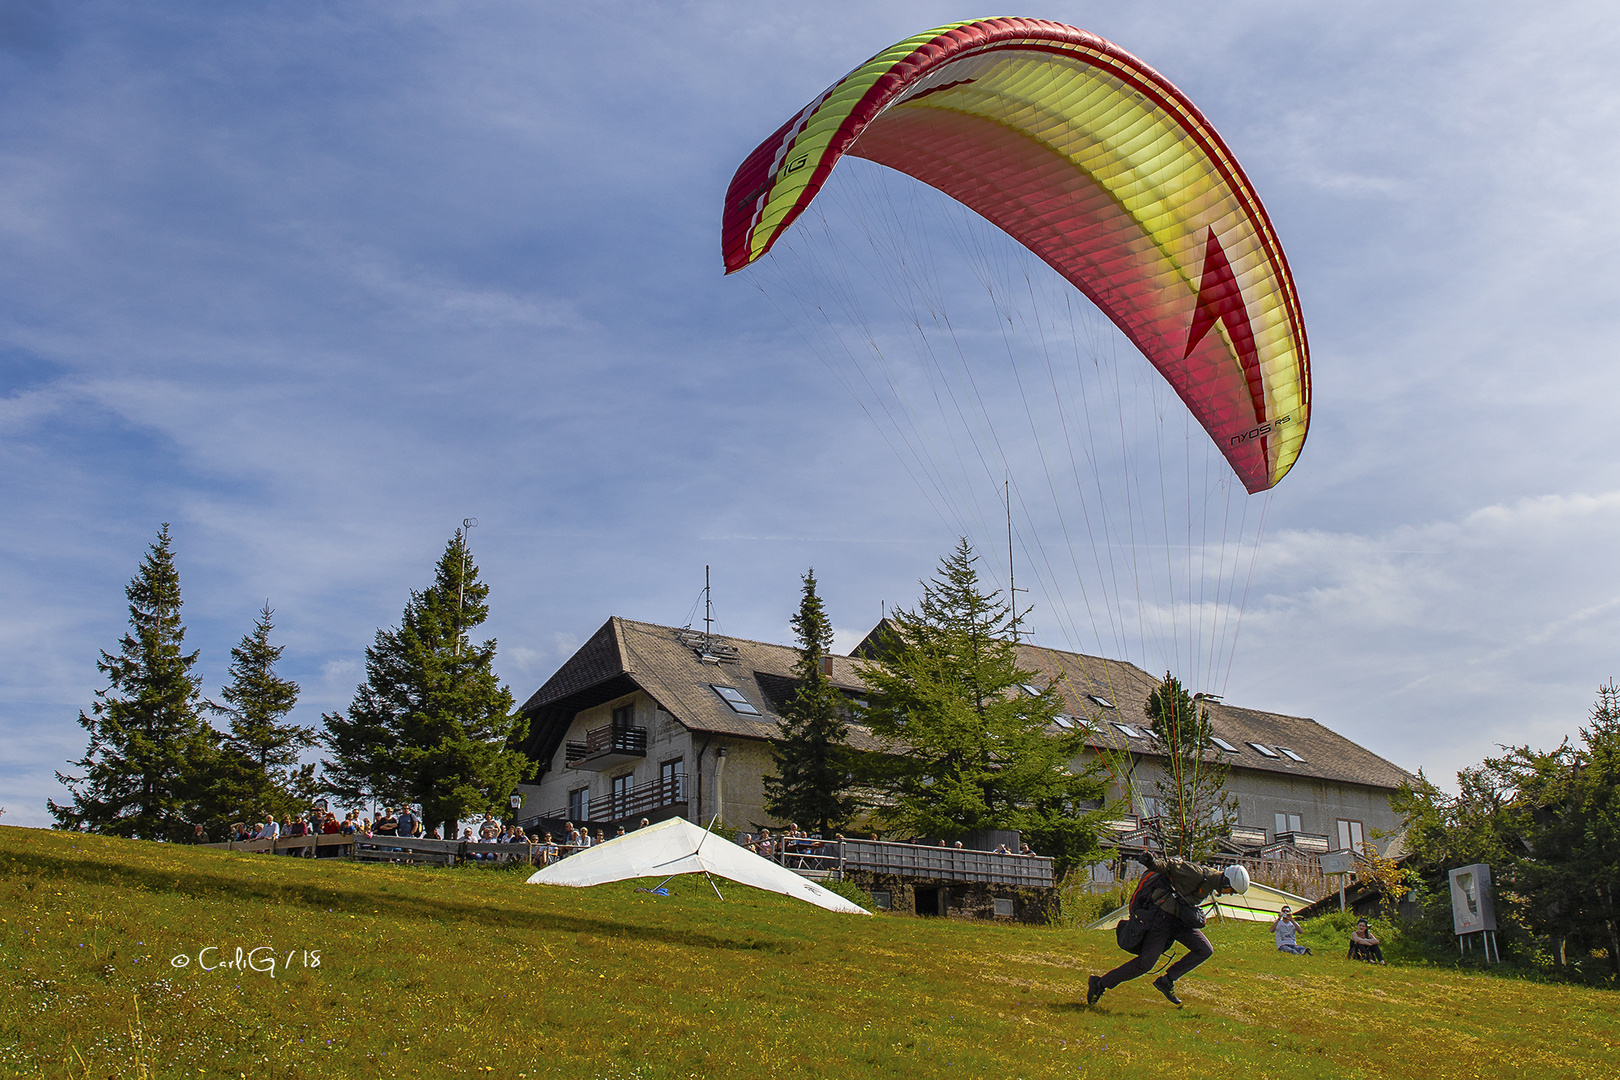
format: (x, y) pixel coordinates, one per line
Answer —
(1285, 931)
(1364, 945)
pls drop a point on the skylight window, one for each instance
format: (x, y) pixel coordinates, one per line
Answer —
(1130, 731)
(1032, 691)
(733, 697)
(1099, 699)
(1224, 745)
(1290, 755)
(1263, 750)
(1064, 722)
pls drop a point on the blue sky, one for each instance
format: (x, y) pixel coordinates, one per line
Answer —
(314, 282)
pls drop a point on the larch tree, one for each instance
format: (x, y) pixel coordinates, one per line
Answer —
(971, 747)
(431, 724)
(150, 753)
(1194, 806)
(812, 785)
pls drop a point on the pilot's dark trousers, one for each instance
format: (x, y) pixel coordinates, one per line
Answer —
(1159, 936)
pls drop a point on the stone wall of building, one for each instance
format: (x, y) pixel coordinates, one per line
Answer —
(960, 900)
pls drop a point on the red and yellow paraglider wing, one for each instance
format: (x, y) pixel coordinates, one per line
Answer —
(1098, 165)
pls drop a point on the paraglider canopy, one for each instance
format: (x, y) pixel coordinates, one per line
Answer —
(675, 847)
(1103, 169)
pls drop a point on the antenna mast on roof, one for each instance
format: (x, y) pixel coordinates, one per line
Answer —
(708, 621)
(1012, 582)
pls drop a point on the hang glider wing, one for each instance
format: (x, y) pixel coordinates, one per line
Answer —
(677, 846)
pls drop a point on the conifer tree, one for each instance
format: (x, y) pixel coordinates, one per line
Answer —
(1193, 803)
(431, 724)
(150, 751)
(813, 764)
(259, 770)
(972, 749)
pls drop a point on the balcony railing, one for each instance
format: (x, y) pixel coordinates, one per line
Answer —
(631, 803)
(606, 747)
(1305, 841)
(946, 864)
(1247, 835)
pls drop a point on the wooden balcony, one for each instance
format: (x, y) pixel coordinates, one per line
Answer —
(615, 809)
(1247, 835)
(943, 864)
(1305, 841)
(607, 747)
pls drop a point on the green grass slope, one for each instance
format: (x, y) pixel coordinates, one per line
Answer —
(470, 972)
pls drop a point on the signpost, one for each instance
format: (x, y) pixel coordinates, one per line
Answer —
(1473, 910)
(1337, 862)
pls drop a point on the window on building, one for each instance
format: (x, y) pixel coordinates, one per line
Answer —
(882, 899)
(1004, 905)
(672, 780)
(1030, 689)
(1289, 754)
(1130, 731)
(1099, 699)
(1351, 835)
(579, 801)
(1064, 722)
(734, 697)
(1287, 822)
(1263, 750)
(1150, 806)
(1224, 745)
(621, 793)
(624, 716)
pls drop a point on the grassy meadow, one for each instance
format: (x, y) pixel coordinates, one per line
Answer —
(400, 971)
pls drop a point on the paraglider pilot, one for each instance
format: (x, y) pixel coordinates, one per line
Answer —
(1163, 909)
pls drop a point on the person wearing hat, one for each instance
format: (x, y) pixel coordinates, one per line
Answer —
(1285, 931)
(1167, 900)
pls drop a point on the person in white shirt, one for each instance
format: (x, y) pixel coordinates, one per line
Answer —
(1285, 931)
(269, 830)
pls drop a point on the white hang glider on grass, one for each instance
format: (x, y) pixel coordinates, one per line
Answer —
(677, 847)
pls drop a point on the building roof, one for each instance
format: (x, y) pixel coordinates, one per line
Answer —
(669, 664)
(1327, 754)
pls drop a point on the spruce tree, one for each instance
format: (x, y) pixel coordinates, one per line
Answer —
(971, 748)
(150, 751)
(431, 724)
(1193, 803)
(259, 769)
(813, 764)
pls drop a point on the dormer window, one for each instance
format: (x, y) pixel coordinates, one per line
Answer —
(734, 697)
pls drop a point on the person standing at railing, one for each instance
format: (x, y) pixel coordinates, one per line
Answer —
(269, 830)
(547, 852)
(406, 825)
(387, 825)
